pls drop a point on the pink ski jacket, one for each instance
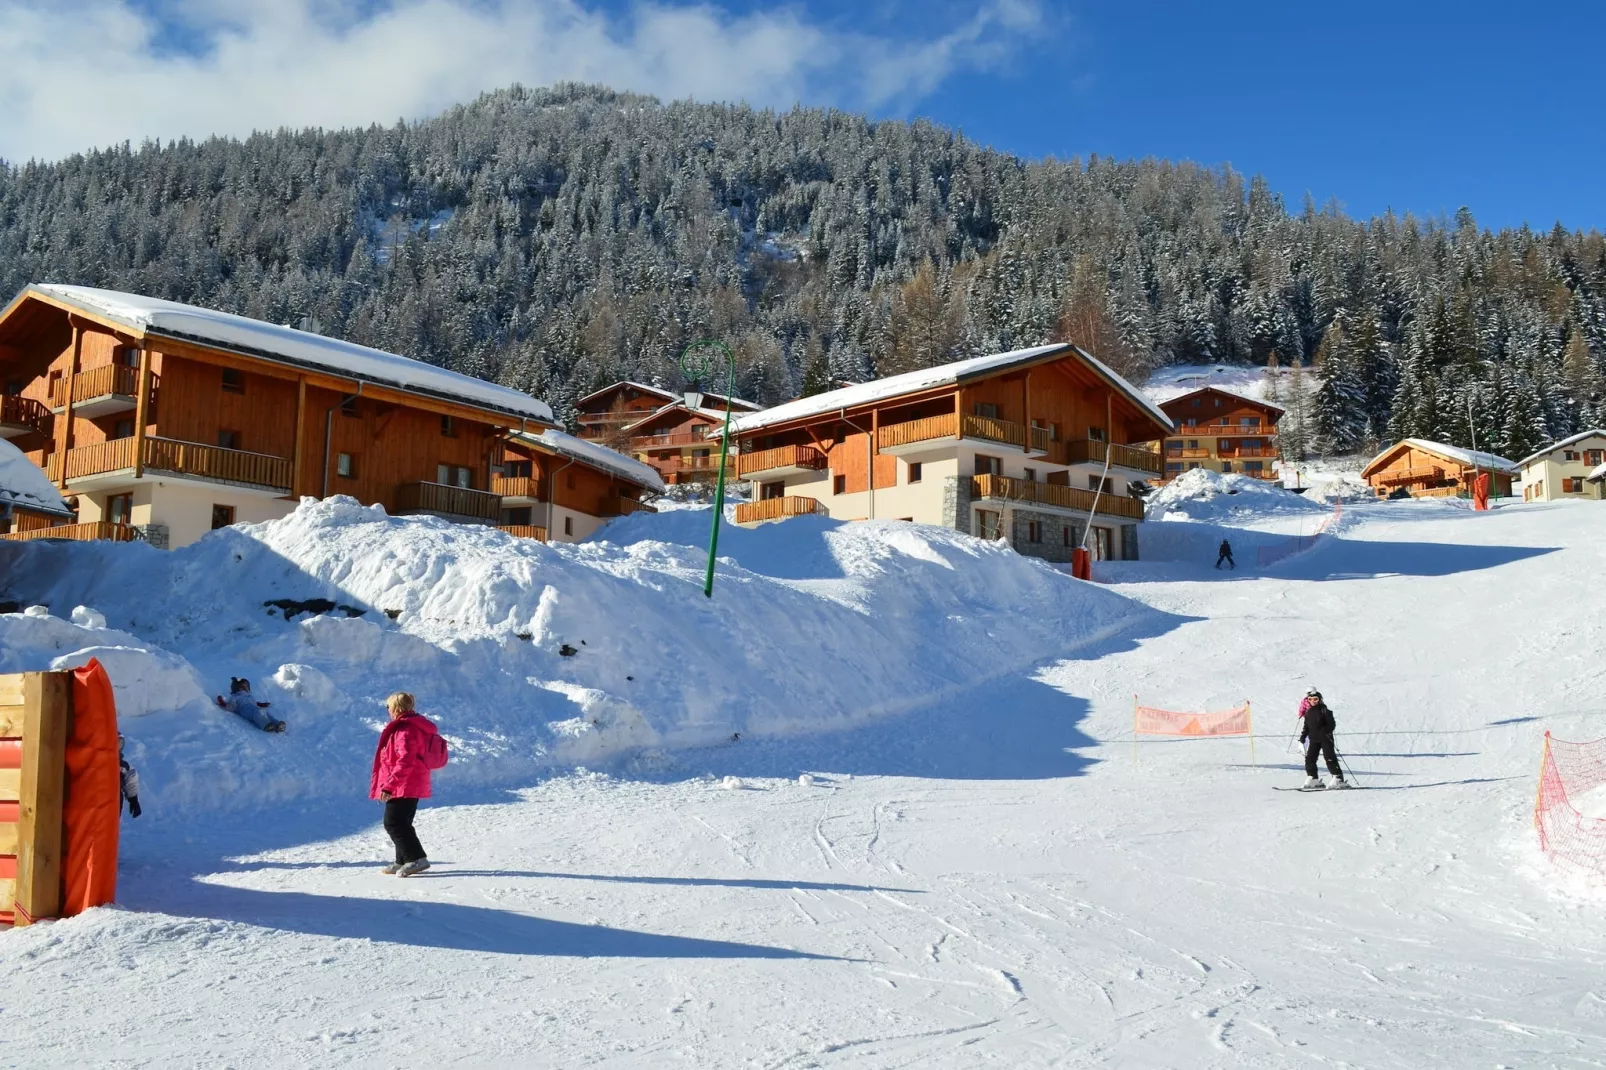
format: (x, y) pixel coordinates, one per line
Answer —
(400, 766)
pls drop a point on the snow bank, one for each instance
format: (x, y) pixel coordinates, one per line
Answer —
(529, 656)
(1202, 494)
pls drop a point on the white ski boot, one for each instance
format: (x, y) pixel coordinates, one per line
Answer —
(1340, 782)
(1313, 784)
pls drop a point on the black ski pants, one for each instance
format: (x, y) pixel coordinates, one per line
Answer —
(1230, 562)
(1324, 747)
(399, 815)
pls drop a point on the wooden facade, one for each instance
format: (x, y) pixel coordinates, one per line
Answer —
(143, 425)
(1221, 431)
(681, 443)
(1423, 469)
(1037, 449)
(561, 494)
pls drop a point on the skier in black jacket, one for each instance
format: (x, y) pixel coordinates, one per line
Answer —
(1224, 553)
(1317, 735)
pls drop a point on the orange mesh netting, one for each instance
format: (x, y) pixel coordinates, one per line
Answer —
(1568, 772)
(1270, 555)
(1148, 721)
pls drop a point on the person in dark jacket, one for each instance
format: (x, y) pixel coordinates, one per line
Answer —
(1225, 554)
(1316, 732)
(128, 782)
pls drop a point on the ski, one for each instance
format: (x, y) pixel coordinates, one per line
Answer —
(1312, 791)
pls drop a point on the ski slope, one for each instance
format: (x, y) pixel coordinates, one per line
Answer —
(995, 877)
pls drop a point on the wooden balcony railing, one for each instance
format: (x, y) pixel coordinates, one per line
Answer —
(516, 487)
(1040, 440)
(96, 383)
(1090, 451)
(944, 426)
(524, 531)
(780, 457)
(426, 497)
(1188, 454)
(1009, 489)
(676, 438)
(991, 430)
(1419, 474)
(622, 506)
(181, 458)
(99, 529)
(26, 412)
(693, 466)
(1248, 451)
(775, 509)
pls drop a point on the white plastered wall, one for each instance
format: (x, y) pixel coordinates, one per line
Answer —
(186, 508)
(581, 525)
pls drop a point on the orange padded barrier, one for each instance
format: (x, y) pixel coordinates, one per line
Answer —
(91, 814)
(1568, 771)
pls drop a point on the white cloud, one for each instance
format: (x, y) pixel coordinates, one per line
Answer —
(75, 74)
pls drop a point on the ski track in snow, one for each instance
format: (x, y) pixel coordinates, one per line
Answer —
(920, 904)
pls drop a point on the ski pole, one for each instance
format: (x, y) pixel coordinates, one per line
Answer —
(1348, 772)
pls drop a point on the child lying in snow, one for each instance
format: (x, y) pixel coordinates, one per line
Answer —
(243, 704)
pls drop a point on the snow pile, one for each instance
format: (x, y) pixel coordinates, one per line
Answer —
(1203, 494)
(529, 656)
(24, 484)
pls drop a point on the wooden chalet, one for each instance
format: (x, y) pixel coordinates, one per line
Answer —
(556, 487)
(1222, 431)
(603, 415)
(168, 420)
(1031, 446)
(1424, 469)
(29, 502)
(681, 440)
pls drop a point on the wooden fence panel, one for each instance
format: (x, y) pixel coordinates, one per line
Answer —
(33, 775)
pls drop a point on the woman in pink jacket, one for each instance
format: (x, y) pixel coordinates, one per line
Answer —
(410, 748)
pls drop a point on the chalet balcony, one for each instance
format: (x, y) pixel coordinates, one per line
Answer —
(516, 490)
(1131, 458)
(99, 391)
(677, 438)
(1229, 454)
(1006, 489)
(109, 463)
(677, 469)
(524, 531)
(1191, 454)
(622, 506)
(775, 509)
(90, 532)
(781, 461)
(915, 436)
(24, 416)
(1403, 476)
(452, 503)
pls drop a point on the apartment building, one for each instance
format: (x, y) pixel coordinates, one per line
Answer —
(1563, 470)
(166, 420)
(559, 488)
(1425, 469)
(669, 431)
(1222, 431)
(1033, 446)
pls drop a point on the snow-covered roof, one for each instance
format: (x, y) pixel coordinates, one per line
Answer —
(1593, 432)
(852, 397)
(24, 484)
(589, 453)
(150, 315)
(661, 392)
(1240, 395)
(1597, 474)
(1474, 458)
(712, 414)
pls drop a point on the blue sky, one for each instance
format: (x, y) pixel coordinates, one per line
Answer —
(1418, 105)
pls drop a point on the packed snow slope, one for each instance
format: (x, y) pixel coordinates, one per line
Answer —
(999, 877)
(529, 656)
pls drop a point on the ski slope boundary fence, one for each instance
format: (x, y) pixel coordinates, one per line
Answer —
(1151, 721)
(1568, 837)
(1298, 544)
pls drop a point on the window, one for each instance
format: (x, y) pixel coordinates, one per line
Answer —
(128, 357)
(568, 525)
(988, 466)
(771, 491)
(454, 476)
(1096, 434)
(839, 484)
(519, 517)
(1569, 455)
(233, 381)
(1193, 443)
(120, 508)
(1593, 457)
(1249, 421)
(516, 469)
(987, 524)
(123, 429)
(346, 466)
(1034, 531)
(14, 387)
(1226, 466)
(1096, 483)
(1572, 486)
(448, 427)
(914, 472)
(1173, 466)
(222, 516)
(987, 410)
(1252, 466)
(1031, 475)
(229, 440)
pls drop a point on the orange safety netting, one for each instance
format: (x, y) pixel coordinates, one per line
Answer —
(1148, 721)
(1270, 555)
(1567, 772)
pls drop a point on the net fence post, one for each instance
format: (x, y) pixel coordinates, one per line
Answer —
(1134, 728)
(1539, 793)
(1249, 719)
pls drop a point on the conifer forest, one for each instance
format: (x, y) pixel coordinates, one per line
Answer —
(559, 239)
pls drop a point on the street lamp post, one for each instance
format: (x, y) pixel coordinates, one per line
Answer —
(699, 361)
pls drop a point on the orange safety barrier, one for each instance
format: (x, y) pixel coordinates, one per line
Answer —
(1151, 721)
(1270, 555)
(1570, 838)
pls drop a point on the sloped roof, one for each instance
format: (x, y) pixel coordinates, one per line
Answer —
(1593, 432)
(667, 395)
(1257, 402)
(24, 484)
(961, 371)
(153, 316)
(1472, 458)
(589, 453)
(712, 414)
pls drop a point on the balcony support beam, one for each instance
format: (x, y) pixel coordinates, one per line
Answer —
(142, 409)
(66, 416)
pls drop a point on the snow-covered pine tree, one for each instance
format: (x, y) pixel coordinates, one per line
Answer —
(1337, 409)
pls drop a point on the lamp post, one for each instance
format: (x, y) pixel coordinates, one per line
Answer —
(699, 361)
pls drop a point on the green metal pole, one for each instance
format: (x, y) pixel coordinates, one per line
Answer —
(696, 365)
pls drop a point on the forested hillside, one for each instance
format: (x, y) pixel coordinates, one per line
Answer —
(558, 239)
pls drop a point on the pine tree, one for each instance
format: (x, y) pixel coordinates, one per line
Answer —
(1337, 411)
